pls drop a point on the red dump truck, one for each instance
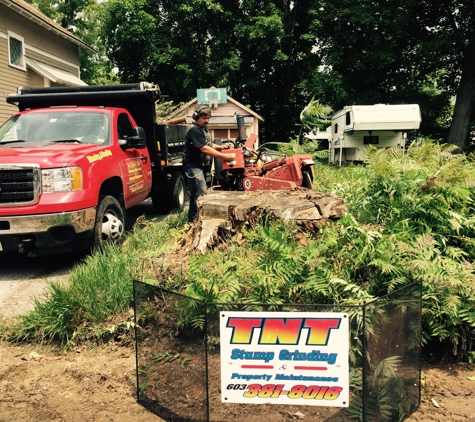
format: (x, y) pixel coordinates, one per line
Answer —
(74, 159)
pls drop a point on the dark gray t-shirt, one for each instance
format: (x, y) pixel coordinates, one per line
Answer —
(196, 137)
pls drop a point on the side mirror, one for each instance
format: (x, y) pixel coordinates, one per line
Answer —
(136, 140)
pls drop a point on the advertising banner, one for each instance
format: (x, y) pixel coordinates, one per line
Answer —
(298, 358)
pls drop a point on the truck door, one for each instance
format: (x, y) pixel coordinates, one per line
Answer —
(136, 166)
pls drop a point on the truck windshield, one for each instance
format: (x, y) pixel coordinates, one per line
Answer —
(57, 126)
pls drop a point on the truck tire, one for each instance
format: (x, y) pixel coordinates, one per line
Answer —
(307, 181)
(110, 222)
(175, 192)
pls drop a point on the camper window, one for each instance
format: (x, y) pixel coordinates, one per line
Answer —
(348, 118)
(335, 128)
(373, 140)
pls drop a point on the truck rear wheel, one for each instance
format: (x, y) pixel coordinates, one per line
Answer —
(110, 221)
(307, 181)
(172, 196)
(175, 192)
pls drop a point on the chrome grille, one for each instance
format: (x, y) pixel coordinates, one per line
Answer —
(19, 185)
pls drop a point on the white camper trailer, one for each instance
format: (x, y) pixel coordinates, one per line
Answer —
(356, 127)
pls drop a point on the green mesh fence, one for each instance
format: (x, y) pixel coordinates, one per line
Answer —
(179, 369)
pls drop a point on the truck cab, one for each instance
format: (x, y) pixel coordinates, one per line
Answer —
(74, 159)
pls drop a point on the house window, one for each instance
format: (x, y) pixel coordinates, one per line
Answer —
(221, 133)
(16, 51)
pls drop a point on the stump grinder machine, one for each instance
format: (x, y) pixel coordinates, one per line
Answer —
(261, 168)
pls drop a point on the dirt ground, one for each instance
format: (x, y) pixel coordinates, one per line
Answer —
(98, 384)
(40, 384)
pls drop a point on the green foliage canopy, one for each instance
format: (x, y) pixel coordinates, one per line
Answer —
(83, 19)
(259, 50)
(407, 51)
(274, 56)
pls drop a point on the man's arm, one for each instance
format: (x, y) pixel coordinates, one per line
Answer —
(212, 152)
(222, 146)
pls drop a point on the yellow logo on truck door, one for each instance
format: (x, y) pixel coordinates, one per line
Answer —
(135, 174)
(99, 156)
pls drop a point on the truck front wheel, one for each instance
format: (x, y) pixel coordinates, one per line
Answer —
(110, 221)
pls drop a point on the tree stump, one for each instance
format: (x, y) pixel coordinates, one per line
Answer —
(223, 213)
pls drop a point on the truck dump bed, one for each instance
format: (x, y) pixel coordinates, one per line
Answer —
(104, 95)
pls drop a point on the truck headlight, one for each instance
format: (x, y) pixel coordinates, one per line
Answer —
(66, 179)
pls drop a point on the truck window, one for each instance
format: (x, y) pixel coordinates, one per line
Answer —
(94, 126)
(8, 132)
(58, 126)
(124, 127)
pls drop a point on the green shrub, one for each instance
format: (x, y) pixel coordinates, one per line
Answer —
(411, 218)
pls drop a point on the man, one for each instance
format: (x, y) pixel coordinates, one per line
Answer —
(197, 154)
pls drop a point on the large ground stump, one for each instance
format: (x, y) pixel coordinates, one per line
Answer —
(223, 213)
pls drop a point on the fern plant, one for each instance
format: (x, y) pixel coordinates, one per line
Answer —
(411, 218)
(315, 115)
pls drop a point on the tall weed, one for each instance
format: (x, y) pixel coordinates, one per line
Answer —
(98, 288)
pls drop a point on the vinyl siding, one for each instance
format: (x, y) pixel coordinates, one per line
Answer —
(34, 79)
(40, 44)
(38, 37)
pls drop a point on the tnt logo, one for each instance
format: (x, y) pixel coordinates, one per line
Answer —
(282, 330)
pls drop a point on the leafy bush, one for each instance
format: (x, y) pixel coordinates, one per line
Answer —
(410, 219)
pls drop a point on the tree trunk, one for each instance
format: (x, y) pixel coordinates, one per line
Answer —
(222, 214)
(459, 133)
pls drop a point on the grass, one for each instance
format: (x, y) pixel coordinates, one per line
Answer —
(99, 290)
